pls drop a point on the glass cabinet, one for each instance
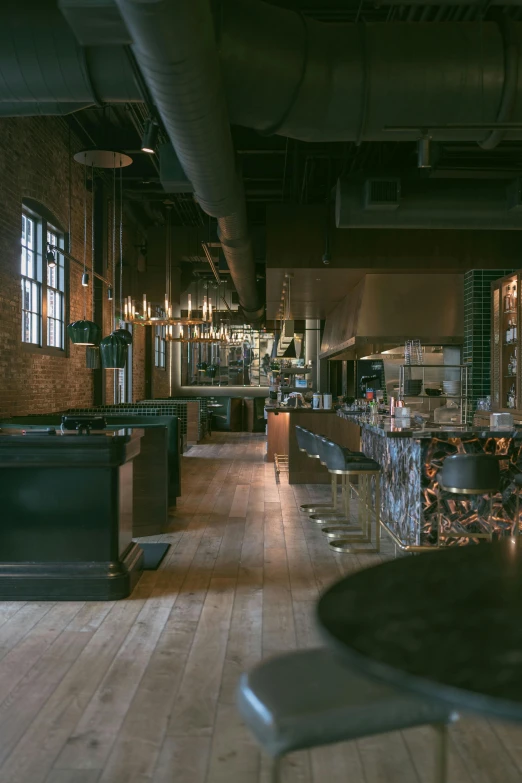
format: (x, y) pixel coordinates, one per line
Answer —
(505, 343)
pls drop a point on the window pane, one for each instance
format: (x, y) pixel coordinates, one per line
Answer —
(51, 276)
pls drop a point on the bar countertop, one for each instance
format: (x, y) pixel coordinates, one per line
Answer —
(284, 409)
(390, 428)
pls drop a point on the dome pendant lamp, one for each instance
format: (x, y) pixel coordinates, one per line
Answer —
(114, 348)
(85, 332)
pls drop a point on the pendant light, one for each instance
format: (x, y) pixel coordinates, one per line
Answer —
(114, 347)
(122, 331)
(84, 332)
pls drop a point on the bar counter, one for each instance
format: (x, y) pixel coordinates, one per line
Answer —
(66, 521)
(281, 440)
(411, 457)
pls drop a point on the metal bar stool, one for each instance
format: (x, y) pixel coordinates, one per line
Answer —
(337, 515)
(307, 443)
(470, 475)
(306, 699)
(349, 464)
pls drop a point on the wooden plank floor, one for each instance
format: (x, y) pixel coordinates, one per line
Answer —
(142, 690)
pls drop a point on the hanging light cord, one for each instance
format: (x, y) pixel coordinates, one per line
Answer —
(84, 237)
(114, 239)
(92, 238)
(121, 243)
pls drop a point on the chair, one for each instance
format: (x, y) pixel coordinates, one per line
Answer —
(471, 475)
(307, 443)
(308, 698)
(341, 461)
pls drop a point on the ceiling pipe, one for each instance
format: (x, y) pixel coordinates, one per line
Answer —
(174, 46)
(291, 75)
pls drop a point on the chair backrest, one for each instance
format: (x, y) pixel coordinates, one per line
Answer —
(301, 438)
(473, 474)
(333, 455)
(322, 448)
(310, 444)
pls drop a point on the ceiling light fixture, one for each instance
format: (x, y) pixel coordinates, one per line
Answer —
(150, 136)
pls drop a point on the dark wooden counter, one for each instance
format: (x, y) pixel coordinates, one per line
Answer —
(282, 440)
(66, 518)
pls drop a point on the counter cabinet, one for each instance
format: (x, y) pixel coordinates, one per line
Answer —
(281, 440)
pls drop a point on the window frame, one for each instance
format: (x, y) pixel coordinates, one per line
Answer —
(44, 222)
(160, 347)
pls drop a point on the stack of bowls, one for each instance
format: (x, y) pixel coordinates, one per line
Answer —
(451, 388)
(412, 388)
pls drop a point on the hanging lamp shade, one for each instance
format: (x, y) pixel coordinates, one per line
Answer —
(92, 357)
(125, 335)
(113, 352)
(84, 333)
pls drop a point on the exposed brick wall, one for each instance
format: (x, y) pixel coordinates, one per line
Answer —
(160, 377)
(138, 364)
(35, 155)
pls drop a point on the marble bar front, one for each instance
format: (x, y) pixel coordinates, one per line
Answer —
(411, 458)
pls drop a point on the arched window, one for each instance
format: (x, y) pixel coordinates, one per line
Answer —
(43, 279)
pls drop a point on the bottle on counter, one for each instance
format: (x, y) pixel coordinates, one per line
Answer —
(508, 301)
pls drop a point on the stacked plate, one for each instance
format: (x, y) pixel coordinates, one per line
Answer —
(451, 388)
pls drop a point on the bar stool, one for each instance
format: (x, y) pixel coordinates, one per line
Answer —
(306, 699)
(307, 443)
(339, 516)
(471, 475)
(347, 464)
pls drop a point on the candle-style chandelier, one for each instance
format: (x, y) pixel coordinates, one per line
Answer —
(164, 316)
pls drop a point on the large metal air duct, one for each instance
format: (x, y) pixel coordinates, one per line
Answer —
(287, 74)
(428, 204)
(175, 50)
(44, 70)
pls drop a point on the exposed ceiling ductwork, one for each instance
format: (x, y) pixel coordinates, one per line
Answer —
(175, 49)
(301, 78)
(392, 202)
(282, 74)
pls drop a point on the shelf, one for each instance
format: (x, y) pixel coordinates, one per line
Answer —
(510, 312)
(510, 345)
(293, 371)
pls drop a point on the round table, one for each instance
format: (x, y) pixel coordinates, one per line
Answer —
(445, 624)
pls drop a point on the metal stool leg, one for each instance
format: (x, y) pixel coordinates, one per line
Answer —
(345, 544)
(339, 527)
(324, 507)
(334, 515)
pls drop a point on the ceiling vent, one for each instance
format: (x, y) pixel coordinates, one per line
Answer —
(382, 193)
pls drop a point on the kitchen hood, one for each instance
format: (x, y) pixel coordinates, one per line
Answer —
(391, 308)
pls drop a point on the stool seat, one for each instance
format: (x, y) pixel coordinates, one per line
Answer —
(470, 474)
(308, 698)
